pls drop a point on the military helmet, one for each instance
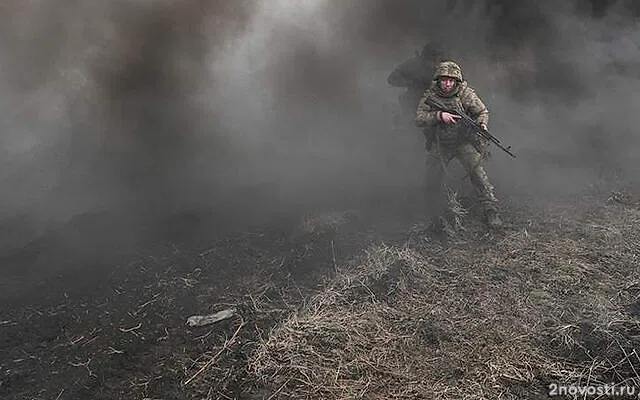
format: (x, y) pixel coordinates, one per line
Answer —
(449, 69)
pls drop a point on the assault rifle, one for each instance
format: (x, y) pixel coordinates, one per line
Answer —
(476, 128)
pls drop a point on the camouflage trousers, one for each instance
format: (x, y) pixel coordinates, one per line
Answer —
(472, 162)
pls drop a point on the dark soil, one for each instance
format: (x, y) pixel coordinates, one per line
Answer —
(86, 315)
(91, 315)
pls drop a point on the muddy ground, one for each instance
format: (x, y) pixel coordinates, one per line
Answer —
(88, 316)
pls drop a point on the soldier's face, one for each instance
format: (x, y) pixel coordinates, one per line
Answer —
(446, 84)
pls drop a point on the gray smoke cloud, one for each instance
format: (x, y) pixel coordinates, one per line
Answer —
(553, 76)
(566, 124)
(155, 107)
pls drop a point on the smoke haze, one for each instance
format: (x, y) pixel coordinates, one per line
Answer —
(159, 107)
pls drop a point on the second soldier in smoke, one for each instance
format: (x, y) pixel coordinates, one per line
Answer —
(415, 75)
(447, 138)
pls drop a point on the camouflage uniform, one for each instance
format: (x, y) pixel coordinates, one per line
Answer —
(415, 75)
(448, 141)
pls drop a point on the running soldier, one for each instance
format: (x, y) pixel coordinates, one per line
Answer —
(447, 139)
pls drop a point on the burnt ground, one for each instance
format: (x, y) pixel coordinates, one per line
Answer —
(88, 316)
(92, 315)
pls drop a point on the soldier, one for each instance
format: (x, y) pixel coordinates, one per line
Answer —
(415, 75)
(447, 139)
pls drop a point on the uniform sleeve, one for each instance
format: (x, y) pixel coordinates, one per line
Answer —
(426, 115)
(475, 107)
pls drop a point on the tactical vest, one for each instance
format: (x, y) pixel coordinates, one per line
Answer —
(451, 135)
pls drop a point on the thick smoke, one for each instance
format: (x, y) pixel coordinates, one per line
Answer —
(158, 107)
(554, 76)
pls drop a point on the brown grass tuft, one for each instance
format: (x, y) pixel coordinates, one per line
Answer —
(553, 301)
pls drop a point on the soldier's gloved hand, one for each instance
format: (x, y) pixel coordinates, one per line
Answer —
(484, 127)
(449, 118)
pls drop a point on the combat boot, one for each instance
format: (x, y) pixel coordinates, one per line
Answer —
(493, 219)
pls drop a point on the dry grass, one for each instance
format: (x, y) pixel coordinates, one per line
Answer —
(553, 301)
(321, 223)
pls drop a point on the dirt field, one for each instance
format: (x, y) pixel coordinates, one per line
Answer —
(331, 305)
